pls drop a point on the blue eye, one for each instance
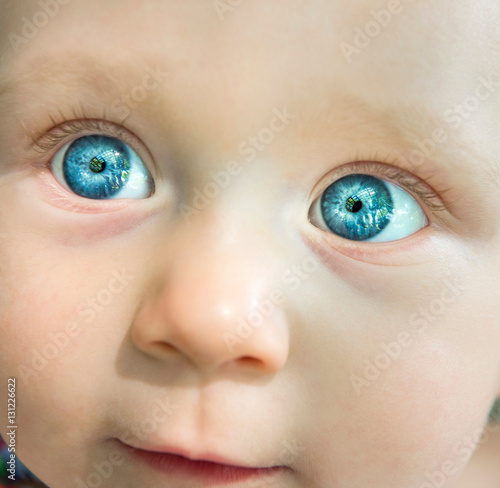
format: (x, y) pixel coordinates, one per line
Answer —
(101, 167)
(364, 208)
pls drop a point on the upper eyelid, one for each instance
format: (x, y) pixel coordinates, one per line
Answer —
(49, 140)
(394, 174)
(62, 132)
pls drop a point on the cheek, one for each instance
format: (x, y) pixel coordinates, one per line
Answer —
(399, 400)
(62, 313)
(420, 413)
(46, 290)
(404, 421)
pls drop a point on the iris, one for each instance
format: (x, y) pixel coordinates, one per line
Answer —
(96, 167)
(357, 207)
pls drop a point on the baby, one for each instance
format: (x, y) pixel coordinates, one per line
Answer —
(250, 243)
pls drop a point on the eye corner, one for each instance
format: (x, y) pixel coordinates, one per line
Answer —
(313, 207)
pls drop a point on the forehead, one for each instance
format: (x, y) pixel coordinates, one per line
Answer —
(331, 42)
(396, 66)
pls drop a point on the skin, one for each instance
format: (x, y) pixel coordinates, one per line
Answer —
(302, 377)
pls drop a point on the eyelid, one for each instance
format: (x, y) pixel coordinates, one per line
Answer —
(62, 133)
(407, 181)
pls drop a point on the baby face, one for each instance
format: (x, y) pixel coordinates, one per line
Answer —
(262, 234)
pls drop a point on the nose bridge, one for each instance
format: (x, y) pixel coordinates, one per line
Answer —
(223, 264)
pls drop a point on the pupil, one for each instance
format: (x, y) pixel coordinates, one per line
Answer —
(353, 204)
(97, 165)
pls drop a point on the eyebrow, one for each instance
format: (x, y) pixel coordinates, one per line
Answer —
(82, 71)
(67, 85)
(412, 123)
(409, 123)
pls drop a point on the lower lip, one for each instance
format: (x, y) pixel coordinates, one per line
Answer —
(206, 472)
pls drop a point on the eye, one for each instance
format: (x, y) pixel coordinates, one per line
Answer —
(364, 208)
(101, 167)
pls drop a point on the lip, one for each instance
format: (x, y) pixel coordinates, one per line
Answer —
(209, 469)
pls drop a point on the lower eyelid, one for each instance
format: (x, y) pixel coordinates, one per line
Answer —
(412, 250)
(58, 196)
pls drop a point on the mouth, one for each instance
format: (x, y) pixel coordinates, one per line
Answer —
(209, 470)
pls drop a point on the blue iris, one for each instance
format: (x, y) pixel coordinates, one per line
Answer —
(96, 166)
(357, 207)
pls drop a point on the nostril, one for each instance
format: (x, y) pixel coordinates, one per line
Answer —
(159, 349)
(165, 346)
(250, 361)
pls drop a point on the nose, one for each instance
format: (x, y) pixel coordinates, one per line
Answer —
(216, 302)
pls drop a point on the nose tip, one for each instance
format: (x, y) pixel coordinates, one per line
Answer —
(214, 308)
(170, 326)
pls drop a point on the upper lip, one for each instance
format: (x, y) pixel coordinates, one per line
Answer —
(207, 457)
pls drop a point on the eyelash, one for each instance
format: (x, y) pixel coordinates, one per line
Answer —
(364, 163)
(62, 131)
(390, 168)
